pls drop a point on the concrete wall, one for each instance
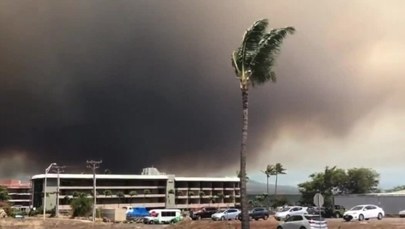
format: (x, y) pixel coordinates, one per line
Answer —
(51, 194)
(170, 198)
(390, 204)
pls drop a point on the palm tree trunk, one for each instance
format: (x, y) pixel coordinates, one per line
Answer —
(243, 192)
(267, 192)
(275, 187)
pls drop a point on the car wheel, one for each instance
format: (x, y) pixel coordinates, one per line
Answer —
(287, 216)
(302, 227)
(361, 217)
(223, 218)
(347, 219)
(173, 221)
(380, 216)
(265, 217)
(279, 227)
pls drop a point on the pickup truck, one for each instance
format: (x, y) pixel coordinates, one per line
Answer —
(257, 213)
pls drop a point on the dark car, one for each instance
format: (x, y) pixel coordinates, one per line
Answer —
(257, 213)
(336, 211)
(203, 213)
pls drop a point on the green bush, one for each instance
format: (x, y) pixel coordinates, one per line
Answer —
(81, 205)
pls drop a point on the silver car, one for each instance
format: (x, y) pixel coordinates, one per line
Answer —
(228, 214)
(303, 221)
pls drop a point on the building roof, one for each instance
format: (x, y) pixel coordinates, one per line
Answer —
(11, 183)
(129, 176)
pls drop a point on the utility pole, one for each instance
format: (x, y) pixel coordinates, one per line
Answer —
(45, 186)
(59, 169)
(93, 165)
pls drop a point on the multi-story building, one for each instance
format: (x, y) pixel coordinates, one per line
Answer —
(151, 191)
(19, 193)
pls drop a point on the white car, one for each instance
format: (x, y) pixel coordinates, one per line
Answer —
(286, 212)
(401, 213)
(228, 214)
(361, 212)
(303, 221)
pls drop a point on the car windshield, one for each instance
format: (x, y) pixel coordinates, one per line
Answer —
(285, 209)
(356, 208)
(220, 211)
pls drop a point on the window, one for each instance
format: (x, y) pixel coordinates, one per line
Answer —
(168, 213)
(294, 218)
(231, 210)
(370, 207)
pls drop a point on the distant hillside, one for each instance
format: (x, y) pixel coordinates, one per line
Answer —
(255, 187)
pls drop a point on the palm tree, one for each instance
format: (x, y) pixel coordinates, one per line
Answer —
(253, 62)
(270, 170)
(278, 170)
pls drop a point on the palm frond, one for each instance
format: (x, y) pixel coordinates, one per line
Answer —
(243, 55)
(264, 59)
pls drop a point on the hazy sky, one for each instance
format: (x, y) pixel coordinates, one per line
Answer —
(140, 83)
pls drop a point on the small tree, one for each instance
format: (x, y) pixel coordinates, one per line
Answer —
(191, 193)
(75, 194)
(81, 205)
(201, 193)
(171, 191)
(121, 196)
(107, 193)
(220, 196)
(146, 192)
(133, 193)
(4, 194)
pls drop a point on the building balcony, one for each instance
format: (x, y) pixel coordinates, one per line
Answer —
(18, 201)
(194, 188)
(101, 196)
(230, 189)
(110, 187)
(182, 188)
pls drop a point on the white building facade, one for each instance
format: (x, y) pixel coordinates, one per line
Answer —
(150, 191)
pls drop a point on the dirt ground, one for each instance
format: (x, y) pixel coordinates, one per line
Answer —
(38, 223)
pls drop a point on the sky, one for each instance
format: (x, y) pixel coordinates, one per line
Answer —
(150, 83)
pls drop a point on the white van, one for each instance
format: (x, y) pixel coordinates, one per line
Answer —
(158, 216)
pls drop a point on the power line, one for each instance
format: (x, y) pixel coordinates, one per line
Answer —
(93, 165)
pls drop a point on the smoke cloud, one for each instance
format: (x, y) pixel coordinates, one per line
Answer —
(140, 83)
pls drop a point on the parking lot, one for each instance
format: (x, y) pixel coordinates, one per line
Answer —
(37, 223)
(389, 223)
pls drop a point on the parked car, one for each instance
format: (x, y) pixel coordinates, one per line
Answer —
(336, 211)
(301, 221)
(228, 214)
(361, 212)
(203, 213)
(257, 213)
(286, 212)
(401, 213)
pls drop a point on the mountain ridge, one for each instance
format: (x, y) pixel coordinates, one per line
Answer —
(256, 187)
